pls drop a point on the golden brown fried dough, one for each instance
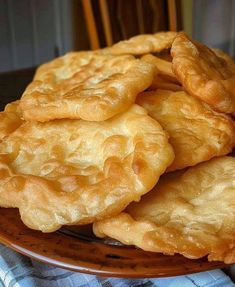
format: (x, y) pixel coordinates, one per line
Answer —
(203, 74)
(85, 85)
(163, 67)
(10, 119)
(191, 213)
(14, 107)
(162, 83)
(226, 57)
(197, 133)
(143, 44)
(74, 171)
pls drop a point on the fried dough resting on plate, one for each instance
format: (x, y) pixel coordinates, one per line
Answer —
(197, 133)
(74, 172)
(10, 119)
(190, 212)
(143, 44)
(204, 74)
(87, 85)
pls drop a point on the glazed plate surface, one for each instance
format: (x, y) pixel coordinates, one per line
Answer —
(77, 249)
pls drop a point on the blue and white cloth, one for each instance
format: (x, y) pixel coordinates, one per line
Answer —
(20, 271)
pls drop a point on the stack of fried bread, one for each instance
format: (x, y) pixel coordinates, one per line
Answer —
(135, 138)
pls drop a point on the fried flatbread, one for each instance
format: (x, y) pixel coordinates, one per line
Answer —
(191, 213)
(197, 133)
(203, 74)
(163, 67)
(144, 44)
(74, 171)
(10, 119)
(159, 82)
(86, 85)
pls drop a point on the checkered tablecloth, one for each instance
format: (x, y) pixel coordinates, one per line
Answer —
(20, 271)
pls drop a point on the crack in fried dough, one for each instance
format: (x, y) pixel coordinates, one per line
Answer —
(197, 133)
(74, 171)
(143, 44)
(203, 74)
(189, 212)
(87, 85)
(10, 119)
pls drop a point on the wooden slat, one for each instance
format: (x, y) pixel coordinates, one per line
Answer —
(106, 22)
(140, 16)
(91, 26)
(172, 15)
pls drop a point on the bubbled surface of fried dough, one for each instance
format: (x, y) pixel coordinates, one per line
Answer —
(10, 119)
(87, 85)
(143, 44)
(197, 133)
(190, 212)
(204, 74)
(74, 171)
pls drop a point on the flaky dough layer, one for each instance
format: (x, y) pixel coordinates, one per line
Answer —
(87, 85)
(204, 74)
(197, 133)
(10, 119)
(74, 172)
(143, 44)
(190, 212)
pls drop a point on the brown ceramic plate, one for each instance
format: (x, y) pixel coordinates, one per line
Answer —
(76, 249)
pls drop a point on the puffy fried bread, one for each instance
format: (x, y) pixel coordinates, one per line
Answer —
(226, 57)
(197, 133)
(143, 44)
(162, 83)
(10, 119)
(163, 67)
(74, 171)
(203, 74)
(86, 85)
(14, 107)
(191, 213)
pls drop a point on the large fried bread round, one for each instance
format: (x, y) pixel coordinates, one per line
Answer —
(204, 74)
(144, 44)
(74, 171)
(190, 212)
(197, 133)
(87, 85)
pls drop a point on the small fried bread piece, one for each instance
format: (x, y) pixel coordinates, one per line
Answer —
(163, 67)
(85, 85)
(197, 133)
(143, 44)
(10, 119)
(14, 107)
(74, 171)
(203, 74)
(191, 213)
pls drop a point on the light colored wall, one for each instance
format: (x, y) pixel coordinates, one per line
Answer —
(214, 23)
(33, 31)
